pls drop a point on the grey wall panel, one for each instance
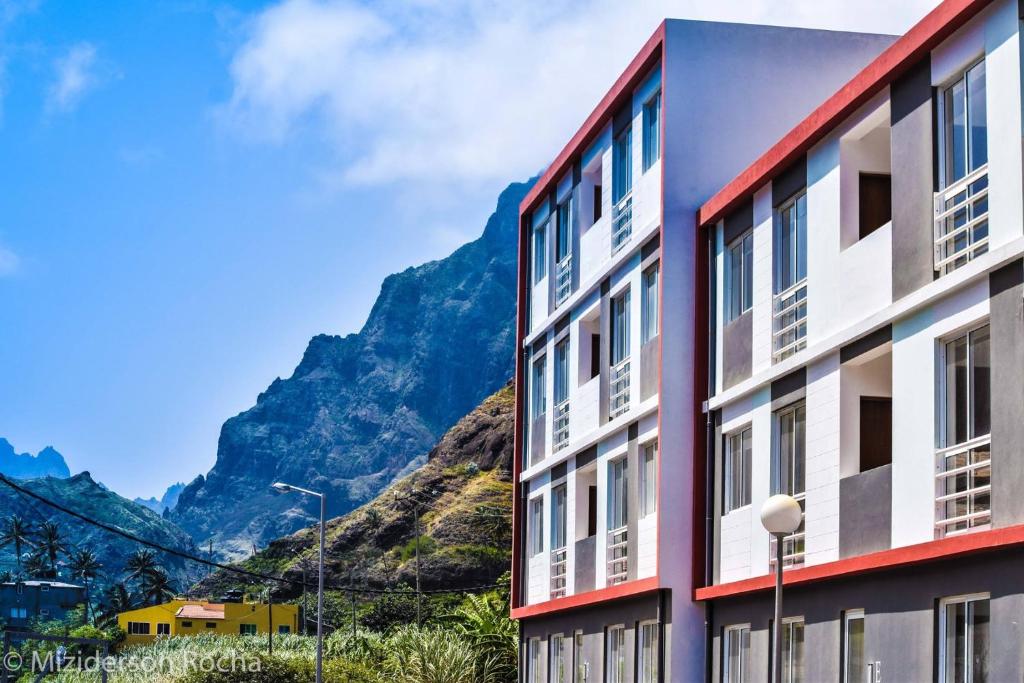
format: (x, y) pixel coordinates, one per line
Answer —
(865, 512)
(649, 362)
(738, 349)
(912, 180)
(739, 221)
(790, 181)
(586, 565)
(1006, 314)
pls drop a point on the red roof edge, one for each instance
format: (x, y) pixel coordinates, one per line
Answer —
(624, 85)
(935, 27)
(600, 596)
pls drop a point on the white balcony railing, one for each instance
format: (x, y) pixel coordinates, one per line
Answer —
(793, 546)
(618, 396)
(961, 221)
(560, 437)
(963, 487)
(563, 281)
(618, 556)
(789, 321)
(622, 222)
(559, 562)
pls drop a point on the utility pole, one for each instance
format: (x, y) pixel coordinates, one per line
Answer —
(270, 616)
(352, 598)
(419, 595)
(305, 617)
(209, 567)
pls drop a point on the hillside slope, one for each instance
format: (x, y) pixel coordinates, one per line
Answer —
(359, 409)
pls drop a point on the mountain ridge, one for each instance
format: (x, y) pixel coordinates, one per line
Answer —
(46, 463)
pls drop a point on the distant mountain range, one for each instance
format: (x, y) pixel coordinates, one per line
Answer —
(360, 410)
(165, 502)
(46, 463)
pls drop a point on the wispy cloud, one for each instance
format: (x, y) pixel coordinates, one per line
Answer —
(74, 76)
(456, 91)
(9, 262)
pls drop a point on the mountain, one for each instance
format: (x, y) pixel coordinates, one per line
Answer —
(166, 502)
(466, 518)
(359, 409)
(46, 463)
(85, 496)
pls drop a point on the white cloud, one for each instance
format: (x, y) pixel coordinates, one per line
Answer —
(9, 262)
(459, 91)
(74, 76)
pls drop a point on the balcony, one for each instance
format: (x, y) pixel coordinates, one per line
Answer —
(560, 433)
(618, 396)
(789, 321)
(963, 487)
(961, 221)
(563, 279)
(622, 222)
(559, 562)
(618, 556)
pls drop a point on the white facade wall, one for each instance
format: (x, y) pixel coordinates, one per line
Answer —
(822, 473)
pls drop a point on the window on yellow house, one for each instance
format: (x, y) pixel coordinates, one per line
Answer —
(247, 629)
(211, 624)
(284, 628)
(138, 628)
(186, 624)
(163, 629)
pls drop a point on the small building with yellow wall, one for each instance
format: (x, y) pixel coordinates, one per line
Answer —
(192, 617)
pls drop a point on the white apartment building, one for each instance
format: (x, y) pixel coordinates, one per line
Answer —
(606, 478)
(866, 356)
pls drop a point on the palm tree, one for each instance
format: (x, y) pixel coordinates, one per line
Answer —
(51, 541)
(157, 588)
(18, 533)
(85, 566)
(116, 599)
(141, 564)
(6, 576)
(37, 566)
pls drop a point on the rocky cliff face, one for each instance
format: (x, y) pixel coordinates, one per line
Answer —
(165, 502)
(465, 496)
(46, 463)
(359, 409)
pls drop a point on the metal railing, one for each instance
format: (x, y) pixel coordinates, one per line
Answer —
(622, 222)
(963, 487)
(793, 546)
(789, 321)
(618, 396)
(618, 556)
(563, 282)
(961, 221)
(560, 435)
(559, 562)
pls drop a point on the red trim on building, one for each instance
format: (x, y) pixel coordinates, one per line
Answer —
(609, 104)
(936, 26)
(628, 589)
(931, 551)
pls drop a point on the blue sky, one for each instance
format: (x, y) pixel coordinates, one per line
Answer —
(191, 190)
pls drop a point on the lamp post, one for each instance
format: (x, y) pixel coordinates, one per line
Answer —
(780, 515)
(288, 488)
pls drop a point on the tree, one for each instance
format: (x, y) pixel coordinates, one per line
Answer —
(140, 565)
(17, 532)
(6, 576)
(157, 588)
(85, 566)
(51, 542)
(37, 566)
(483, 620)
(116, 599)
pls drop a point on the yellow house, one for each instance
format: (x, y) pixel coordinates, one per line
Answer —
(191, 617)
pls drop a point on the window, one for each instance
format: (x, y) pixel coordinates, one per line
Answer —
(964, 639)
(736, 654)
(284, 629)
(163, 629)
(44, 612)
(559, 660)
(186, 624)
(648, 664)
(652, 130)
(739, 268)
(963, 499)
(558, 523)
(539, 389)
(580, 667)
(649, 479)
(536, 526)
(854, 664)
(793, 650)
(597, 203)
(540, 261)
(44, 588)
(737, 470)
(562, 371)
(138, 628)
(19, 613)
(789, 318)
(649, 305)
(618, 485)
(622, 165)
(875, 202)
(563, 237)
(788, 469)
(247, 629)
(620, 328)
(211, 624)
(534, 663)
(961, 206)
(616, 657)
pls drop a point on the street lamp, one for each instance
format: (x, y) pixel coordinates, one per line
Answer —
(780, 515)
(288, 488)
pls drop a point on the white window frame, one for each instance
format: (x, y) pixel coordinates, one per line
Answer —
(794, 545)
(540, 252)
(612, 672)
(652, 133)
(789, 300)
(163, 629)
(730, 632)
(648, 478)
(557, 644)
(580, 668)
(961, 78)
(534, 660)
(787, 624)
(539, 381)
(536, 526)
(745, 458)
(138, 628)
(943, 604)
(849, 616)
(650, 302)
(738, 249)
(648, 666)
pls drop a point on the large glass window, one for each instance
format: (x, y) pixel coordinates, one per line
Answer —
(793, 650)
(968, 387)
(559, 660)
(649, 479)
(739, 284)
(616, 649)
(536, 526)
(579, 665)
(652, 130)
(539, 387)
(649, 305)
(618, 485)
(540, 256)
(562, 371)
(788, 473)
(736, 654)
(558, 521)
(563, 238)
(620, 328)
(648, 664)
(791, 243)
(622, 165)
(534, 661)
(737, 470)
(854, 662)
(963, 145)
(964, 634)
